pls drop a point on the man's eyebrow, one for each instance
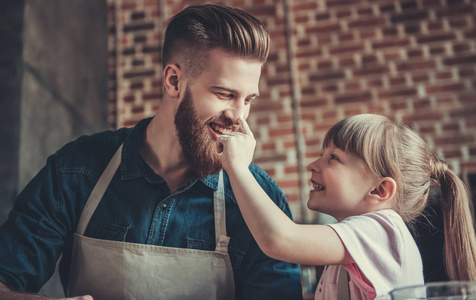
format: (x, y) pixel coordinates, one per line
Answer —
(230, 90)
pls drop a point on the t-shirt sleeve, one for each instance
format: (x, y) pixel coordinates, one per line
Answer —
(374, 241)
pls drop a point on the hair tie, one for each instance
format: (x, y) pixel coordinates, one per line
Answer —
(439, 169)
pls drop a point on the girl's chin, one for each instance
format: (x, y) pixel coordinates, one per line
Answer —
(315, 206)
(312, 206)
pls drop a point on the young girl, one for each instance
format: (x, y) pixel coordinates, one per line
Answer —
(374, 177)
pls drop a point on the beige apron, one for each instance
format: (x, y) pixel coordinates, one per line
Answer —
(111, 270)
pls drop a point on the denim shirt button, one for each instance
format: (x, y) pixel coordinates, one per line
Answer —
(163, 206)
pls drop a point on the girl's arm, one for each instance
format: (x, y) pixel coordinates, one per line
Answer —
(277, 235)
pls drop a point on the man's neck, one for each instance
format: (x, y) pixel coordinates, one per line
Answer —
(161, 150)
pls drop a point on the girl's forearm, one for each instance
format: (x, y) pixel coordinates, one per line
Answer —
(277, 235)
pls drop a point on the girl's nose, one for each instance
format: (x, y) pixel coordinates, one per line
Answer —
(314, 166)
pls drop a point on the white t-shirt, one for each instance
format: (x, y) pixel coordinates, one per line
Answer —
(385, 254)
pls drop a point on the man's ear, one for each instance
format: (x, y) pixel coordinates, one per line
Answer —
(172, 80)
(383, 191)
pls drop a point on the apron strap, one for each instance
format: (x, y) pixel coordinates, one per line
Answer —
(220, 216)
(98, 191)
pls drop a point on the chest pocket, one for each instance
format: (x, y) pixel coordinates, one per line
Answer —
(107, 231)
(236, 255)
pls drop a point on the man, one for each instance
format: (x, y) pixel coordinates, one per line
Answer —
(145, 213)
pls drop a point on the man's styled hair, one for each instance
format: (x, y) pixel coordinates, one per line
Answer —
(196, 30)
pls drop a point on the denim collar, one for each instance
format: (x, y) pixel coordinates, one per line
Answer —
(212, 182)
(133, 166)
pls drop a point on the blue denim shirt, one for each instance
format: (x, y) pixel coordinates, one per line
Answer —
(137, 207)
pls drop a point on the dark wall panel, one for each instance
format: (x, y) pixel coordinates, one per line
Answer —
(53, 86)
(11, 27)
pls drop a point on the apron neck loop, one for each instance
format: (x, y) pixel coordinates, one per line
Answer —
(105, 179)
(219, 209)
(98, 191)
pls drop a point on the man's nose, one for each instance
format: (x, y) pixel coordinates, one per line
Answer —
(236, 110)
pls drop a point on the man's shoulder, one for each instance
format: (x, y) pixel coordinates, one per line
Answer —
(91, 150)
(261, 174)
(267, 183)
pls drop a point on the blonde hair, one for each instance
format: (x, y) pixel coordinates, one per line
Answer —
(195, 31)
(396, 151)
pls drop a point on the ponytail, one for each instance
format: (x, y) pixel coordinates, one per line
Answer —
(460, 240)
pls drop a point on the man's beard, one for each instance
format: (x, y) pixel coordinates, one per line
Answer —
(198, 146)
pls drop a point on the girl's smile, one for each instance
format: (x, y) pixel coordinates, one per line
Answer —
(317, 187)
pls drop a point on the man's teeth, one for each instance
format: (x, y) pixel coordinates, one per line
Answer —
(220, 129)
(318, 187)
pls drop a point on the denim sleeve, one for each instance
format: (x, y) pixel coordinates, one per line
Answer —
(271, 280)
(33, 236)
(268, 278)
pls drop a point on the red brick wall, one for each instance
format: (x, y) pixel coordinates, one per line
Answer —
(411, 60)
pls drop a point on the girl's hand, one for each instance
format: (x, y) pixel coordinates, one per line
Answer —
(238, 148)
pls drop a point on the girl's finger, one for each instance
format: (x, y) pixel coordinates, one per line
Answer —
(246, 128)
(224, 138)
(221, 141)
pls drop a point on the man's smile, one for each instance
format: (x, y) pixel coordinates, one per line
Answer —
(220, 129)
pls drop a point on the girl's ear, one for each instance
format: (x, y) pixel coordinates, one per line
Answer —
(172, 80)
(384, 191)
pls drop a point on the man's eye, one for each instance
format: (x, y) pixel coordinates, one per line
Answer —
(225, 96)
(250, 101)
